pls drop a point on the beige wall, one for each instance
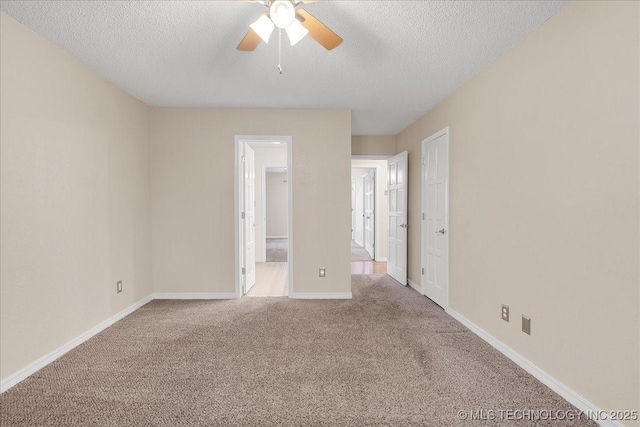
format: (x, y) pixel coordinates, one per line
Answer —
(193, 195)
(75, 198)
(276, 191)
(544, 202)
(375, 145)
(265, 157)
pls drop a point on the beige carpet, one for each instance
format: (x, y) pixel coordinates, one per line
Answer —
(387, 357)
(358, 253)
(277, 250)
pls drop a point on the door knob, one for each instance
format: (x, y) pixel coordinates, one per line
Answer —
(441, 231)
(404, 225)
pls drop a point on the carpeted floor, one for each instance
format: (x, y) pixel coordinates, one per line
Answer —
(387, 357)
(358, 253)
(276, 250)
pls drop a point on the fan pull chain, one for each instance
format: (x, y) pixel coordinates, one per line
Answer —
(279, 49)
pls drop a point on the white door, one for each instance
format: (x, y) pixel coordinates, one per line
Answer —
(397, 184)
(369, 213)
(435, 238)
(250, 217)
(353, 210)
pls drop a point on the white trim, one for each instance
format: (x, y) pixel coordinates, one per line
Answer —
(370, 157)
(359, 244)
(321, 295)
(263, 220)
(289, 216)
(276, 237)
(195, 295)
(423, 241)
(237, 181)
(375, 212)
(34, 367)
(561, 389)
(415, 286)
(381, 259)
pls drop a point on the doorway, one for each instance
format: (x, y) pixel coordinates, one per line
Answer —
(369, 214)
(264, 205)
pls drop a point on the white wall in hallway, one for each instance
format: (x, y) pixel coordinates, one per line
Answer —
(277, 204)
(265, 157)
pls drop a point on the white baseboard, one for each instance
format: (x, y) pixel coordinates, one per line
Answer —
(33, 367)
(195, 295)
(415, 286)
(276, 237)
(381, 259)
(561, 389)
(359, 243)
(321, 295)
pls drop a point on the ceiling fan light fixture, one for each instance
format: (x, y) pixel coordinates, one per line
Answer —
(263, 27)
(283, 13)
(296, 32)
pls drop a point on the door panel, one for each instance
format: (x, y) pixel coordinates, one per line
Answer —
(397, 184)
(435, 236)
(353, 210)
(250, 217)
(369, 212)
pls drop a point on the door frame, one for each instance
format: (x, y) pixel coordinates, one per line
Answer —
(374, 171)
(381, 202)
(260, 141)
(353, 209)
(423, 229)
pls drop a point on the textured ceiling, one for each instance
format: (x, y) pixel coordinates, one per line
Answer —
(398, 59)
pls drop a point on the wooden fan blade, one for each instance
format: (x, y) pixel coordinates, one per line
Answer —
(318, 31)
(249, 42)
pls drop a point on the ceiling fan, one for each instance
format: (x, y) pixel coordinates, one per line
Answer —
(297, 23)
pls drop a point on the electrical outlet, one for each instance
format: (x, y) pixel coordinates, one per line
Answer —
(505, 313)
(526, 325)
(323, 272)
(119, 286)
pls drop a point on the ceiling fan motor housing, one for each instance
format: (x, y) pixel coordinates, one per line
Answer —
(282, 13)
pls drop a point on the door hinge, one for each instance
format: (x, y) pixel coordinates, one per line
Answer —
(423, 160)
(423, 216)
(242, 215)
(242, 159)
(423, 271)
(244, 270)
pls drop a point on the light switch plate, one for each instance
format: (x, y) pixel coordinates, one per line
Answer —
(119, 286)
(323, 272)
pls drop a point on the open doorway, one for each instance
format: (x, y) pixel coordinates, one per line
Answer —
(363, 214)
(264, 206)
(369, 215)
